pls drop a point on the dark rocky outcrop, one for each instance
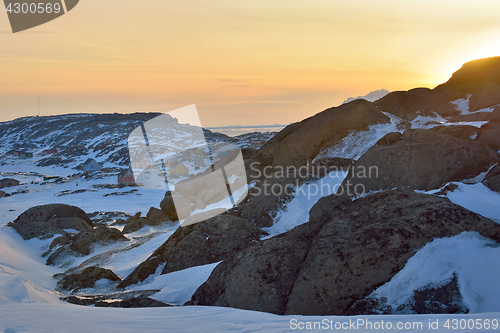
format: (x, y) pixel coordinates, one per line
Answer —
(48, 220)
(168, 207)
(154, 217)
(78, 244)
(299, 143)
(490, 134)
(443, 298)
(128, 299)
(492, 180)
(458, 131)
(135, 302)
(421, 160)
(419, 101)
(487, 95)
(82, 243)
(202, 243)
(471, 77)
(344, 253)
(85, 279)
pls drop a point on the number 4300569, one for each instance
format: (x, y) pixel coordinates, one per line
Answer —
(33, 8)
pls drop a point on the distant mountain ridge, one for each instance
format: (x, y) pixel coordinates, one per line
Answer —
(70, 139)
(370, 97)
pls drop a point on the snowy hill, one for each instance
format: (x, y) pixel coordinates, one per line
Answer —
(68, 140)
(370, 97)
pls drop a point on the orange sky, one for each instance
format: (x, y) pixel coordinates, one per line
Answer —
(240, 62)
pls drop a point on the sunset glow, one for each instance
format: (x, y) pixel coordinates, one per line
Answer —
(239, 62)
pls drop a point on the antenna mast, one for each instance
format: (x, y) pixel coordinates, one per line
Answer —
(38, 106)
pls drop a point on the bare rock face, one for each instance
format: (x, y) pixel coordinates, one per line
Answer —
(491, 138)
(261, 277)
(419, 101)
(82, 242)
(154, 217)
(490, 133)
(168, 207)
(345, 252)
(47, 220)
(202, 243)
(437, 298)
(421, 160)
(477, 116)
(471, 77)
(486, 96)
(481, 78)
(85, 279)
(458, 131)
(492, 180)
(299, 143)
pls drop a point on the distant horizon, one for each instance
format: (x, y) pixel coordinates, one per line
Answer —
(240, 62)
(206, 127)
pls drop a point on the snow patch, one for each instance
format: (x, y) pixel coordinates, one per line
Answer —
(354, 145)
(177, 287)
(296, 212)
(473, 258)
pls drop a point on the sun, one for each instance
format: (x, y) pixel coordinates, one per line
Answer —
(481, 47)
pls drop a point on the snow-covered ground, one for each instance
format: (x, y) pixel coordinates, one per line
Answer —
(296, 212)
(474, 260)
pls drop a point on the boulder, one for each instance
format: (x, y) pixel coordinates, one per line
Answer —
(202, 243)
(85, 279)
(492, 180)
(443, 299)
(156, 216)
(134, 302)
(134, 299)
(458, 131)
(421, 160)
(168, 207)
(132, 225)
(82, 243)
(299, 143)
(344, 253)
(389, 139)
(419, 101)
(47, 220)
(78, 244)
(436, 298)
(491, 137)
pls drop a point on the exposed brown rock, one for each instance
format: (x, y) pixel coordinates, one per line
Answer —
(202, 243)
(492, 179)
(85, 279)
(419, 101)
(299, 143)
(421, 160)
(47, 220)
(344, 253)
